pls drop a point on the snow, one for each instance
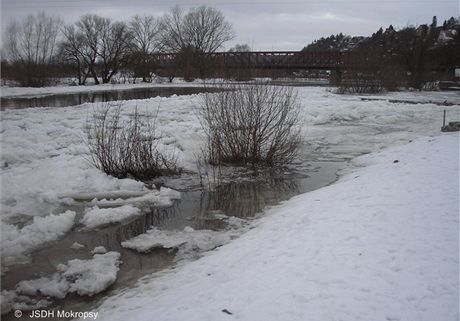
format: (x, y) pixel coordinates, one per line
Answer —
(446, 35)
(153, 239)
(144, 199)
(95, 217)
(169, 193)
(16, 243)
(11, 301)
(76, 246)
(85, 277)
(89, 277)
(54, 286)
(188, 240)
(99, 250)
(380, 244)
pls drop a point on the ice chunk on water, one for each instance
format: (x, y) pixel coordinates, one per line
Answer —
(147, 198)
(85, 277)
(96, 216)
(99, 250)
(55, 286)
(10, 300)
(18, 242)
(188, 240)
(88, 277)
(169, 193)
(155, 238)
(76, 246)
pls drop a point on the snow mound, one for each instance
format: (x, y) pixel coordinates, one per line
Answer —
(16, 243)
(96, 216)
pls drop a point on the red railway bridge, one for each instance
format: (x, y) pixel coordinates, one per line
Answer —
(286, 60)
(262, 59)
(263, 62)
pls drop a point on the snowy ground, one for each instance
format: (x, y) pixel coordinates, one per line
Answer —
(45, 169)
(381, 244)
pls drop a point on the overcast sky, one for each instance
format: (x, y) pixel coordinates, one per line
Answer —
(264, 25)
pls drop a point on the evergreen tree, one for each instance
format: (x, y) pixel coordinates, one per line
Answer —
(434, 22)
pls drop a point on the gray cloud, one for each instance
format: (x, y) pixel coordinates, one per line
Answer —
(265, 25)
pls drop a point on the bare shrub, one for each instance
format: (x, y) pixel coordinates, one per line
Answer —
(128, 147)
(251, 125)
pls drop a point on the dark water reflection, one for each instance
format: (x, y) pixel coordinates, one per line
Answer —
(73, 99)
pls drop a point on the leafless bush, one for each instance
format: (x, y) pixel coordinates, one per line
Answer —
(251, 125)
(127, 147)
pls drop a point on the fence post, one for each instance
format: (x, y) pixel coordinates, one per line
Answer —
(444, 119)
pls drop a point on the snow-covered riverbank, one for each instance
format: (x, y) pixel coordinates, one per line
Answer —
(51, 193)
(381, 244)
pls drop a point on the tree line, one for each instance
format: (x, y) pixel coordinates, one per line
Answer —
(42, 47)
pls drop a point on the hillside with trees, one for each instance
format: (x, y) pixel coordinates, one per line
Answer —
(339, 42)
(411, 56)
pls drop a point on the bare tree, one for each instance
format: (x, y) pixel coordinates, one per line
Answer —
(173, 33)
(89, 28)
(74, 50)
(145, 40)
(206, 30)
(97, 46)
(31, 44)
(201, 30)
(113, 48)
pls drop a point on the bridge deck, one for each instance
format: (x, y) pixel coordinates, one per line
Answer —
(261, 59)
(330, 60)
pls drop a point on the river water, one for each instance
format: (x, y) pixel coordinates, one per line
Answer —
(73, 99)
